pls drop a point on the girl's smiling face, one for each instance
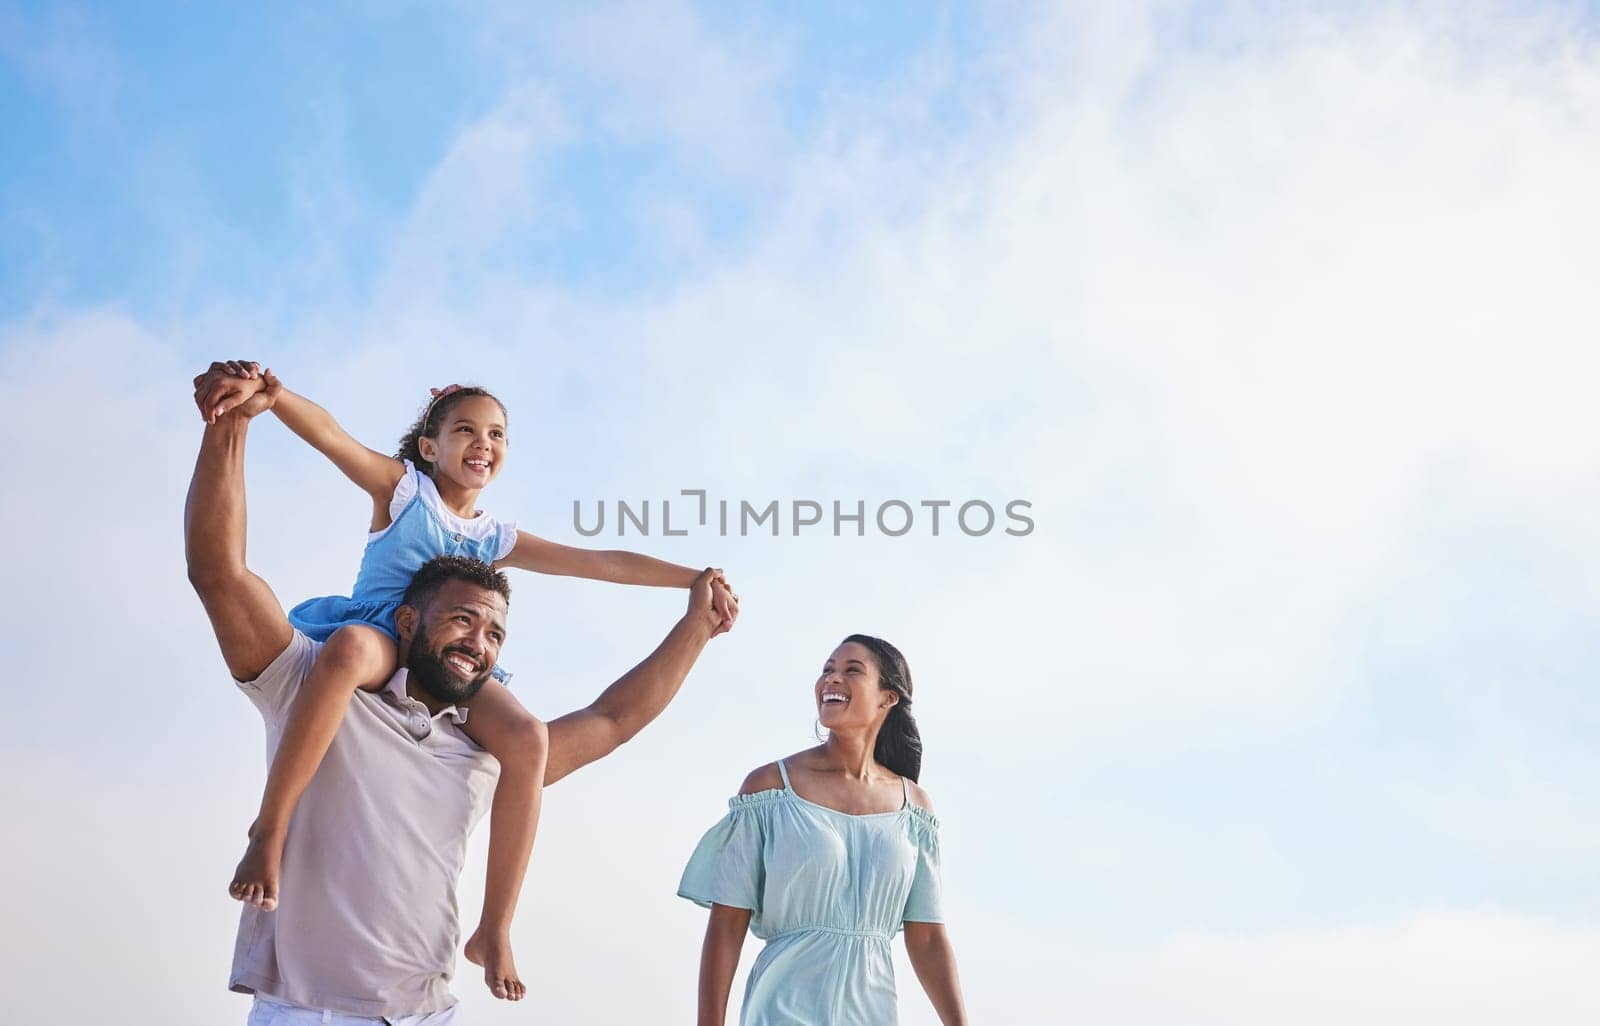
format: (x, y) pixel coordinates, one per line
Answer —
(470, 447)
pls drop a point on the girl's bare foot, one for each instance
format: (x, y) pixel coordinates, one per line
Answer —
(255, 881)
(494, 954)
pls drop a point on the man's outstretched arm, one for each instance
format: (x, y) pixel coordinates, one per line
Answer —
(626, 707)
(249, 623)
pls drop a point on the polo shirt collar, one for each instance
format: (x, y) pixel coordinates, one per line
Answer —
(396, 690)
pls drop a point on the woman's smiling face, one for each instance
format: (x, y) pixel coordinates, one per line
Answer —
(847, 692)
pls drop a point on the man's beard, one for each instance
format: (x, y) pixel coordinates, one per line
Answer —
(438, 678)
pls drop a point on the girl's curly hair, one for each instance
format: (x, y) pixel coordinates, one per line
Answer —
(432, 418)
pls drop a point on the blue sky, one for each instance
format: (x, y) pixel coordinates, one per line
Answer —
(185, 144)
(1282, 323)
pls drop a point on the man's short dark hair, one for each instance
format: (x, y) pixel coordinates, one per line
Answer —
(430, 577)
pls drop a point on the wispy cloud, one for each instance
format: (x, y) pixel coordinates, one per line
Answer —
(64, 54)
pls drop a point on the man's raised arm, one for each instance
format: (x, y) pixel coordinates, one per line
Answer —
(249, 623)
(626, 707)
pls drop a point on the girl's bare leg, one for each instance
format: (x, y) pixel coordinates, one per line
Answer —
(354, 658)
(520, 741)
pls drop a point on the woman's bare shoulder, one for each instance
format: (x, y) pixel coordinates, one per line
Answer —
(762, 778)
(770, 778)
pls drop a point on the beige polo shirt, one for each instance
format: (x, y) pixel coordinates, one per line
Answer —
(366, 921)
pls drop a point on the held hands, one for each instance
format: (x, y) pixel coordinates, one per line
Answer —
(712, 601)
(235, 384)
(724, 602)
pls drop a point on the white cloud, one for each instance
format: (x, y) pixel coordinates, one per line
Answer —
(484, 189)
(656, 71)
(1479, 966)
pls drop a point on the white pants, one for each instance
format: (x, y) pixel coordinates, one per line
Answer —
(266, 1012)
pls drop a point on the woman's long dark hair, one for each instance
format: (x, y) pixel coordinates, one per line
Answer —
(431, 419)
(899, 744)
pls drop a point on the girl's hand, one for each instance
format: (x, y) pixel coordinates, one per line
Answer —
(724, 602)
(264, 399)
(709, 597)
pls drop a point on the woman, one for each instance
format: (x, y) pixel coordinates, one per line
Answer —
(825, 855)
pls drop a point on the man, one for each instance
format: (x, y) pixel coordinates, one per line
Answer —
(366, 926)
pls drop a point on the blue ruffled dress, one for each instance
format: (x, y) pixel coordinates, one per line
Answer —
(827, 891)
(420, 528)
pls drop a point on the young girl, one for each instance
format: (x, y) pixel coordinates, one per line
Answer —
(424, 504)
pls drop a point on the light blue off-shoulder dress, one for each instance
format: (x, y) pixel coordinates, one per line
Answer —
(827, 891)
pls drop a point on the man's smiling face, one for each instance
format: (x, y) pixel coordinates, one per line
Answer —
(456, 641)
